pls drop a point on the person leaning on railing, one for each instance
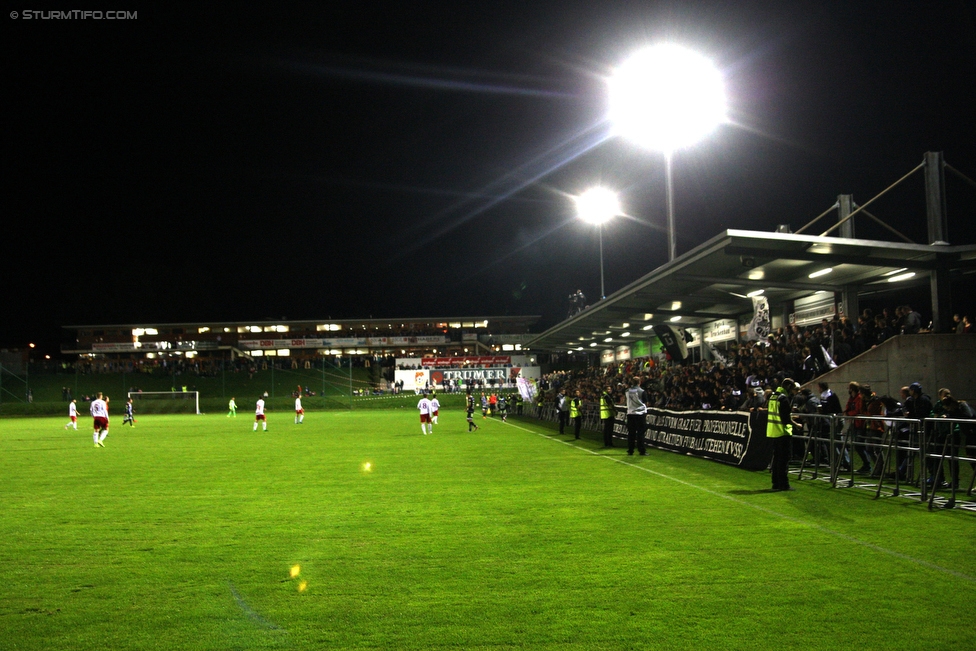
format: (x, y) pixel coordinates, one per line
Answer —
(948, 435)
(874, 430)
(855, 426)
(965, 433)
(918, 406)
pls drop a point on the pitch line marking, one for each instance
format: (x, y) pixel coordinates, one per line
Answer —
(768, 511)
(251, 614)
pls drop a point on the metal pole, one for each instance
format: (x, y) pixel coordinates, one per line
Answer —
(669, 191)
(603, 293)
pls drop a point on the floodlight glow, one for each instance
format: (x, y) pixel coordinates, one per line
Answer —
(895, 279)
(647, 327)
(822, 272)
(608, 340)
(756, 292)
(896, 271)
(675, 319)
(666, 97)
(593, 344)
(625, 334)
(597, 205)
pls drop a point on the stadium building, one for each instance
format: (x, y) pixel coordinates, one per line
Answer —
(302, 341)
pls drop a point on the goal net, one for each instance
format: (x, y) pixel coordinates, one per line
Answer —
(163, 402)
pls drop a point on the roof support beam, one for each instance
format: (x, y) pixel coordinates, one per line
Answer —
(793, 254)
(765, 284)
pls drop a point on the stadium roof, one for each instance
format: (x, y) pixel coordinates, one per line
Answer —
(712, 281)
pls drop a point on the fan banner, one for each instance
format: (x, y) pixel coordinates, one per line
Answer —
(737, 438)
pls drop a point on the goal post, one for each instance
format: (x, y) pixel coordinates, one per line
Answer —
(166, 402)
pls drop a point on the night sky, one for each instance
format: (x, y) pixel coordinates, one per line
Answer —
(357, 159)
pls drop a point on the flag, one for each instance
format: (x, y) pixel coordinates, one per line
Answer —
(760, 325)
(674, 342)
(830, 361)
(526, 388)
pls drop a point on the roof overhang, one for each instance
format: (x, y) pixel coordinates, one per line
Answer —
(712, 281)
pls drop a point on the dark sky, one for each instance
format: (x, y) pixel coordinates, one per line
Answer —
(414, 159)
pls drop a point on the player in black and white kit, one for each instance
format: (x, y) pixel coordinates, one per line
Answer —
(129, 415)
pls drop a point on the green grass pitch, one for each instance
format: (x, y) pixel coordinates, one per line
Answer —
(183, 533)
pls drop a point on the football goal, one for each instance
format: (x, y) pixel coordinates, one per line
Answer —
(164, 402)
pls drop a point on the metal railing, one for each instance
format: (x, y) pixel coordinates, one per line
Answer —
(894, 452)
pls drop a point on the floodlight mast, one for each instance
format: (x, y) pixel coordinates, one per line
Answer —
(663, 98)
(598, 206)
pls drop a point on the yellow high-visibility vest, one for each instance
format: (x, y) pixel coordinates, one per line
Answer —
(775, 427)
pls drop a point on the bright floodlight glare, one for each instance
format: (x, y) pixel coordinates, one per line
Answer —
(597, 205)
(666, 97)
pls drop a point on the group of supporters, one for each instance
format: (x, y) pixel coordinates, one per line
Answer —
(911, 403)
(747, 373)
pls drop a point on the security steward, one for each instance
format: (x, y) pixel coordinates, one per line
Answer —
(779, 428)
(607, 417)
(576, 413)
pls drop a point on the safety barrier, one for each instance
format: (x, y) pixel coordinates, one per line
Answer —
(898, 456)
(894, 453)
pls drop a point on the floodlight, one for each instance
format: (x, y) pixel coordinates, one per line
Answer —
(822, 272)
(666, 97)
(597, 205)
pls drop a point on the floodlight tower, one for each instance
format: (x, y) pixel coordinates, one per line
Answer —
(663, 98)
(598, 206)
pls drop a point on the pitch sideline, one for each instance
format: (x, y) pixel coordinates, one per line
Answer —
(763, 509)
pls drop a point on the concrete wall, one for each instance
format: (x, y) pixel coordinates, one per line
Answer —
(936, 361)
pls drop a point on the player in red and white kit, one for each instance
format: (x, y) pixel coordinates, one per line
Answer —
(259, 416)
(435, 408)
(299, 412)
(99, 412)
(425, 410)
(73, 415)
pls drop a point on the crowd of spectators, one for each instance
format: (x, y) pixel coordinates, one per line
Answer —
(744, 375)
